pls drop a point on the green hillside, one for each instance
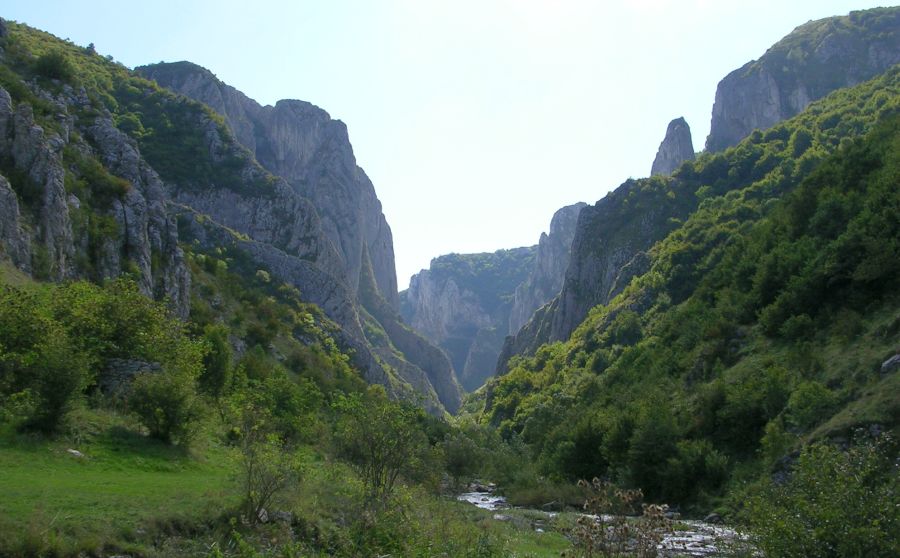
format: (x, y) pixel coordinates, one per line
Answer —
(760, 326)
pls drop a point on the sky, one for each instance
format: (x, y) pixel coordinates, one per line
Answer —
(475, 119)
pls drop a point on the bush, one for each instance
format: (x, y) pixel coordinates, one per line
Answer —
(54, 65)
(810, 403)
(266, 465)
(835, 503)
(166, 404)
(217, 366)
(380, 439)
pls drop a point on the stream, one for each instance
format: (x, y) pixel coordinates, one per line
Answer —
(692, 539)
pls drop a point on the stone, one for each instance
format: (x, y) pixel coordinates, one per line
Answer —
(890, 365)
(502, 517)
(546, 279)
(676, 148)
(713, 518)
(788, 76)
(14, 241)
(75, 453)
(118, 374)
(283, 516)
(4, 32)
(319, 228)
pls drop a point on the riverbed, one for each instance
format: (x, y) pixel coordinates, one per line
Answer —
(691, 538)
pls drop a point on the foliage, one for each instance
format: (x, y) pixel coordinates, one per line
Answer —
(379, 438)
(724, 353)
(835, 503)
(54, 65)
(606, 531)
(217, 364)
(166, 404)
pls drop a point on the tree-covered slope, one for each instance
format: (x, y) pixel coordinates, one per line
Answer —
(761, 320)
(98, 162)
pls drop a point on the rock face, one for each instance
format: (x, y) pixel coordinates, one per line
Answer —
(608, 249)
(546, 279)
(613, 235)
(81, 198)
(676, 148)
(318, 225)
(462, 303)
(302, 144)
(44, 238)
(812, 61)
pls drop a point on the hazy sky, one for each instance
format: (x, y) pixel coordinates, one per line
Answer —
(475, 119)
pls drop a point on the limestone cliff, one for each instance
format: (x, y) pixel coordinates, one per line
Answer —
(462, 303)
(813, 60)
(319, 207)
(58, 221)
(676, 148)
(304, 145)
(607, 250)
(103, 173)
(546, 278)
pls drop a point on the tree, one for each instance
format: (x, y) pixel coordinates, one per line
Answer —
(380, 439)
(835, 503)
(217, 366)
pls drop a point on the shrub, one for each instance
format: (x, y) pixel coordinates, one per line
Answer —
(835, 503)
(266, 464)
(380, 439)
(809, 404)
(217, 366)
(54, 65)
(166, 404)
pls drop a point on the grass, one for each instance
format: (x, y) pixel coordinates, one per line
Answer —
(120, 495)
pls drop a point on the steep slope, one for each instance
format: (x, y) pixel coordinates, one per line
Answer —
(462, 303)
(96, 163)
(550, 263)
(78, 201)
(613, 235)
(764, 318)
(813, 60)
(302, 144)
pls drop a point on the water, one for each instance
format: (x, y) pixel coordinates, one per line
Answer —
(695, 539)
(484, 500)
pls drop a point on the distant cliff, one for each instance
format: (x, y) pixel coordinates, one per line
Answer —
(301, 144)
(812, 61)
(462, 303)
(546, 278)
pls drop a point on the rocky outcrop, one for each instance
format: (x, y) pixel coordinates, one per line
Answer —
(36, 160)
(462, 304)
(141, 215)
(546, 279)
(304, 145)
(14, 243)
(815, 59)
(676, 148)
(317, 224)
(143, 240)
(609, 248)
